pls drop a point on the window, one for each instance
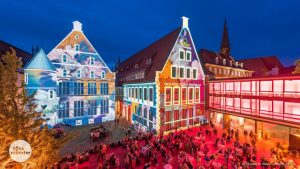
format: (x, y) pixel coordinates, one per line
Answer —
(63, 110)
(141, 93)
(64, 58)
(51, 94)
(174, 71)
(151, 94)
(92, 88)
(92, 110)
(78, 88)
(136, 93)
(103, 88)
(136, 66)
(78, 74)
(78, 108)
(148, 61)
(176, 95)
(77, 47)
(168, 95)
(181, 55)
(64, 73)
(76, 36)
(92, 61)
(181, 72)
(145, 94)
(195, 74)
(63, 88)
(188, 56)
(26, 78)
(188, 72)
(197, 94)
(183, 95)
(191, 94)
(104, 106)
(92, 74)
(102, 75)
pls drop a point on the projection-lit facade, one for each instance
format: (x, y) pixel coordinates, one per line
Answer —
(72, 84)
(163, 85)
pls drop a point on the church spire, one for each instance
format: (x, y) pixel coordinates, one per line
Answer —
(225, 47)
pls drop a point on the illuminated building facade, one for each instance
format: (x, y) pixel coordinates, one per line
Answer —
(163, 85)
(72, 84)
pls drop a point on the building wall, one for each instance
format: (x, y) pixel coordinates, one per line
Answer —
(139, 105)
(40, 83)
(267, 98)
(85, 85)
(178, 105)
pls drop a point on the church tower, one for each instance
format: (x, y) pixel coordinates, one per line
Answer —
(225, 47)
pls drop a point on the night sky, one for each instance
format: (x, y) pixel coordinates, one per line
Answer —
(120, 28)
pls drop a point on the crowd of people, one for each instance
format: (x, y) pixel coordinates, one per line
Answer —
(201, 147)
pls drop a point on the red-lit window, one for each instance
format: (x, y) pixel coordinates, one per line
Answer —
(191, 113)
(168, 116)
(184, 114)
(168, 95)
(176, 95)
(198, 111)
(176, 115)
(191, 94)
(183, 95)
(197, 94)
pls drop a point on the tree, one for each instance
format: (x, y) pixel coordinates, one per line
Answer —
(19, 120)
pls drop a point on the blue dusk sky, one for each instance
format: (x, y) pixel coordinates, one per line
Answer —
(120, 28)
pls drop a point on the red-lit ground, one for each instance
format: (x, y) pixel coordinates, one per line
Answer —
(132, 152)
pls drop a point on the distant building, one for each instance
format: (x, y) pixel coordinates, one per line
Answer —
(221, 64)
(163, 84)
(263, 66)
(72, 85)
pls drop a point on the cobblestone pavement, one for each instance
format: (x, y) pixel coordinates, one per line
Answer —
(82, 141)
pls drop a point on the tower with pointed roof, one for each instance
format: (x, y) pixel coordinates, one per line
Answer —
(40, 81)
(225, 46)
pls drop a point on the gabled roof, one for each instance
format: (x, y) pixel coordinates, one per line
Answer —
(210, 57)
(5, 47)
(262, 64)
(158, 52)
(40, 61)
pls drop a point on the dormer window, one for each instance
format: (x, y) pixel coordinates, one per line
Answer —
(64, 58)
(77, 47)
(242, 65)
(148, 61)
(92, 61)
(217, 60)
(236, 64)
(224, 61)
(230, 63)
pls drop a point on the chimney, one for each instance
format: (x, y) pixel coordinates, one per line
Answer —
(185, 22)
(77, 26)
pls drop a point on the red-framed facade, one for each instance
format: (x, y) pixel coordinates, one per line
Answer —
(275, 98)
